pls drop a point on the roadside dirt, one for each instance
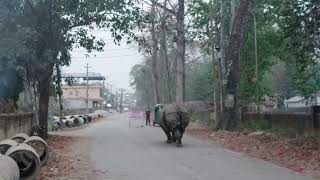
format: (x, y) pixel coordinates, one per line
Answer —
(69, 155)
(301, 156)
(68, 159)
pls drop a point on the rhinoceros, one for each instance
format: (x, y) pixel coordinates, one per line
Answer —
(173, 120)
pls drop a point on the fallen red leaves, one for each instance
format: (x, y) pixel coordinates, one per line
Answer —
(58, 163)
(300, 155)
(67, 159)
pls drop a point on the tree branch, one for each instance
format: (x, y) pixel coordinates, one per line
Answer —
(171, 4)
(32, 8)
(162, 6)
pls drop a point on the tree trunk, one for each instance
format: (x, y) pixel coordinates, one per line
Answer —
(216, 82)
(154, 56)
(163, 48)
(60, 107)
(232, 114)
(44, 83)
(180, 76)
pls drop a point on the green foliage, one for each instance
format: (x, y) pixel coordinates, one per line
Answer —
(199, 80)
(299, 23)
(11, 84)
(280, 80)
(51, 29)
(200, 117)
(269, 47)
(141, 81)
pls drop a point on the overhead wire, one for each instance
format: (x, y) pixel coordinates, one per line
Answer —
(105, 50)
(104, 57)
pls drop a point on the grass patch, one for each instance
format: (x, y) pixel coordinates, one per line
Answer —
(257, 125)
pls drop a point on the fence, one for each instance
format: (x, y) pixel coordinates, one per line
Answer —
(11, 124)
(136, 118)
(301, 122)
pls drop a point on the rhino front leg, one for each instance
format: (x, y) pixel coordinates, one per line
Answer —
(169, 137)
(178, 137)
(174, 139)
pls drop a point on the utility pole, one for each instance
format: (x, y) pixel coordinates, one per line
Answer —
(121, 100)
(116, 100)
(87, 93)
(103, 92)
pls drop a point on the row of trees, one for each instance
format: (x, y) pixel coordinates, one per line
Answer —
(237, 51)
(195, 50)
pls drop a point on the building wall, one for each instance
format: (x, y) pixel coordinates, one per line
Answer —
(76, 104)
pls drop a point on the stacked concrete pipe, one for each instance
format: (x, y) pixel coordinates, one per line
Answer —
(68, 121)
(22, 149)
(9, 169)
(73, 121)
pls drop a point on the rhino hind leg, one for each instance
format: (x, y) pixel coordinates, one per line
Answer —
(174, 139)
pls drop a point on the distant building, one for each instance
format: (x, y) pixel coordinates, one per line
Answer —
(74, 97)
(296, 102)
(299, 101)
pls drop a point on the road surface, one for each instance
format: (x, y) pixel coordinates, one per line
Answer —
(123, 153)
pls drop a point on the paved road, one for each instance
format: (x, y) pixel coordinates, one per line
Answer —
(123, 153)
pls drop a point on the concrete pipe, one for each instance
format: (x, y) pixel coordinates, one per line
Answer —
(73, 116)
(20, 138)
(6, 144)
(41, 148)
(68, 121)
(94, 116)
(56, 118)
(89, 118)
(78, 121)
(85, 119)
(9, 169)
(27, 171)
(56, 125)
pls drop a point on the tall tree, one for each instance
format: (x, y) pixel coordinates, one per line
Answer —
(232, 118)
(181, 47)
(164, 52)
(155, 48)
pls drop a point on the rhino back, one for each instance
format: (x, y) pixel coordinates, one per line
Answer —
(172, 112)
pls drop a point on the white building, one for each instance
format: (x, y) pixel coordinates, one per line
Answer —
(299, 101)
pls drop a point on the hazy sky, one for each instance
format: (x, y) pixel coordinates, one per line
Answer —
(115, 62)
